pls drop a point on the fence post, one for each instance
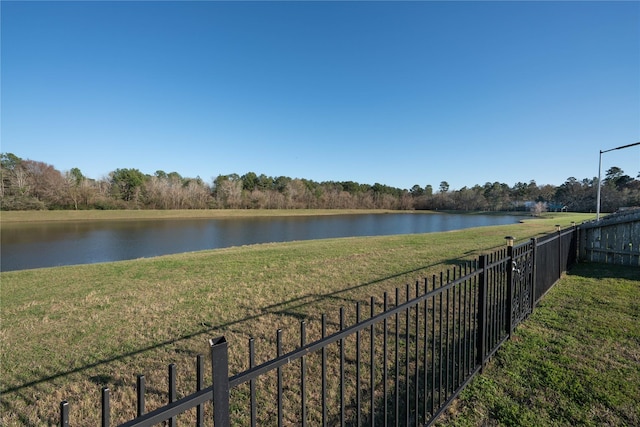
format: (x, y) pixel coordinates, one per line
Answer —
(575, 240)
(559, 230)
(482, 310)
(534, 274)
(510, 267)
(220, 374)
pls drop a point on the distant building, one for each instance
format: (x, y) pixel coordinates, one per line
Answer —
(556, 207)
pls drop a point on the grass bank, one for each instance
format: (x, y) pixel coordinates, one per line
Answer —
(96, 215)
(67, 331)
(575, 361)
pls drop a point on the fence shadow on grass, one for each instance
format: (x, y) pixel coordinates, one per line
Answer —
(282, 308)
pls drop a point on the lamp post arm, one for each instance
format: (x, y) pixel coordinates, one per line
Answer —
(620, 148)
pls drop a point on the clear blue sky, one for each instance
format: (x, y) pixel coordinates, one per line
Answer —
(399, 93)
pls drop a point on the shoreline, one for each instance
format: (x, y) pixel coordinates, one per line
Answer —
(9, 217)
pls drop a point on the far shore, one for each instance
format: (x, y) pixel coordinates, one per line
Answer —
(111, 215)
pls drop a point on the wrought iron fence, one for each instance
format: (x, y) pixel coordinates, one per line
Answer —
(554, 254)
(402, 361)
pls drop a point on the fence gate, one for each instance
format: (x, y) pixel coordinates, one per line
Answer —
(521, 281)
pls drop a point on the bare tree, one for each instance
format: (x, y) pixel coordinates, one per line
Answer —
(197, 194)
(45, 182)
(538, 208)
(228, 191)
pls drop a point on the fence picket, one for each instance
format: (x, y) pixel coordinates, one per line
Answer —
(372, 359)
(106, 409)
(303, 371)
(140, 389)
(64, 414)
(199, 385)
(172, 390)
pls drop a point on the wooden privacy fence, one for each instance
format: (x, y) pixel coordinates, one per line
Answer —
(401, 361)
(615, 239)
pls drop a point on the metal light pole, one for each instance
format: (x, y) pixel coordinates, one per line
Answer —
(599, 173)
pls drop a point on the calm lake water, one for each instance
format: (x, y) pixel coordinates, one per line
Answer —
(35, 245)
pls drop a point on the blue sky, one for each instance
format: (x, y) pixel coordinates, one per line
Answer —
(398, 93)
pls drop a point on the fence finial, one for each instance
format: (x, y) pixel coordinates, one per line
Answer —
(510, 240)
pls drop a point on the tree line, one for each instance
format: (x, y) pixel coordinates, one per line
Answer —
(29, 184)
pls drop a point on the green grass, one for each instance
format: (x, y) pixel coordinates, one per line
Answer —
(67, 331)
(90, 215)
(575, 361)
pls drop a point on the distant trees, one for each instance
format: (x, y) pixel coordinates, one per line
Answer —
(251, 191)
(470, 199)
(576, 195)
(172, 191)
(616, 177)
(618, 190)
(29, 184)
(227, 191)
(498, 196)
(126, 184)
(26, 183)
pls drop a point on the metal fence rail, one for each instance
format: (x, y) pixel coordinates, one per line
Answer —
(401, 364)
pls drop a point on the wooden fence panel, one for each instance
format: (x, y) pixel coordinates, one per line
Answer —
(615, 240)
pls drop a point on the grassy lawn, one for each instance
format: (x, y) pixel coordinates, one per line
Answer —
(67, 331)
(575, 361)
(30, 216)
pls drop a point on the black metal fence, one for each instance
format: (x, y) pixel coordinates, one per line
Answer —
(554, 254)
(401, 361)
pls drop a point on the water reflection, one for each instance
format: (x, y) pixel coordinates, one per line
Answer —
(34, 245)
